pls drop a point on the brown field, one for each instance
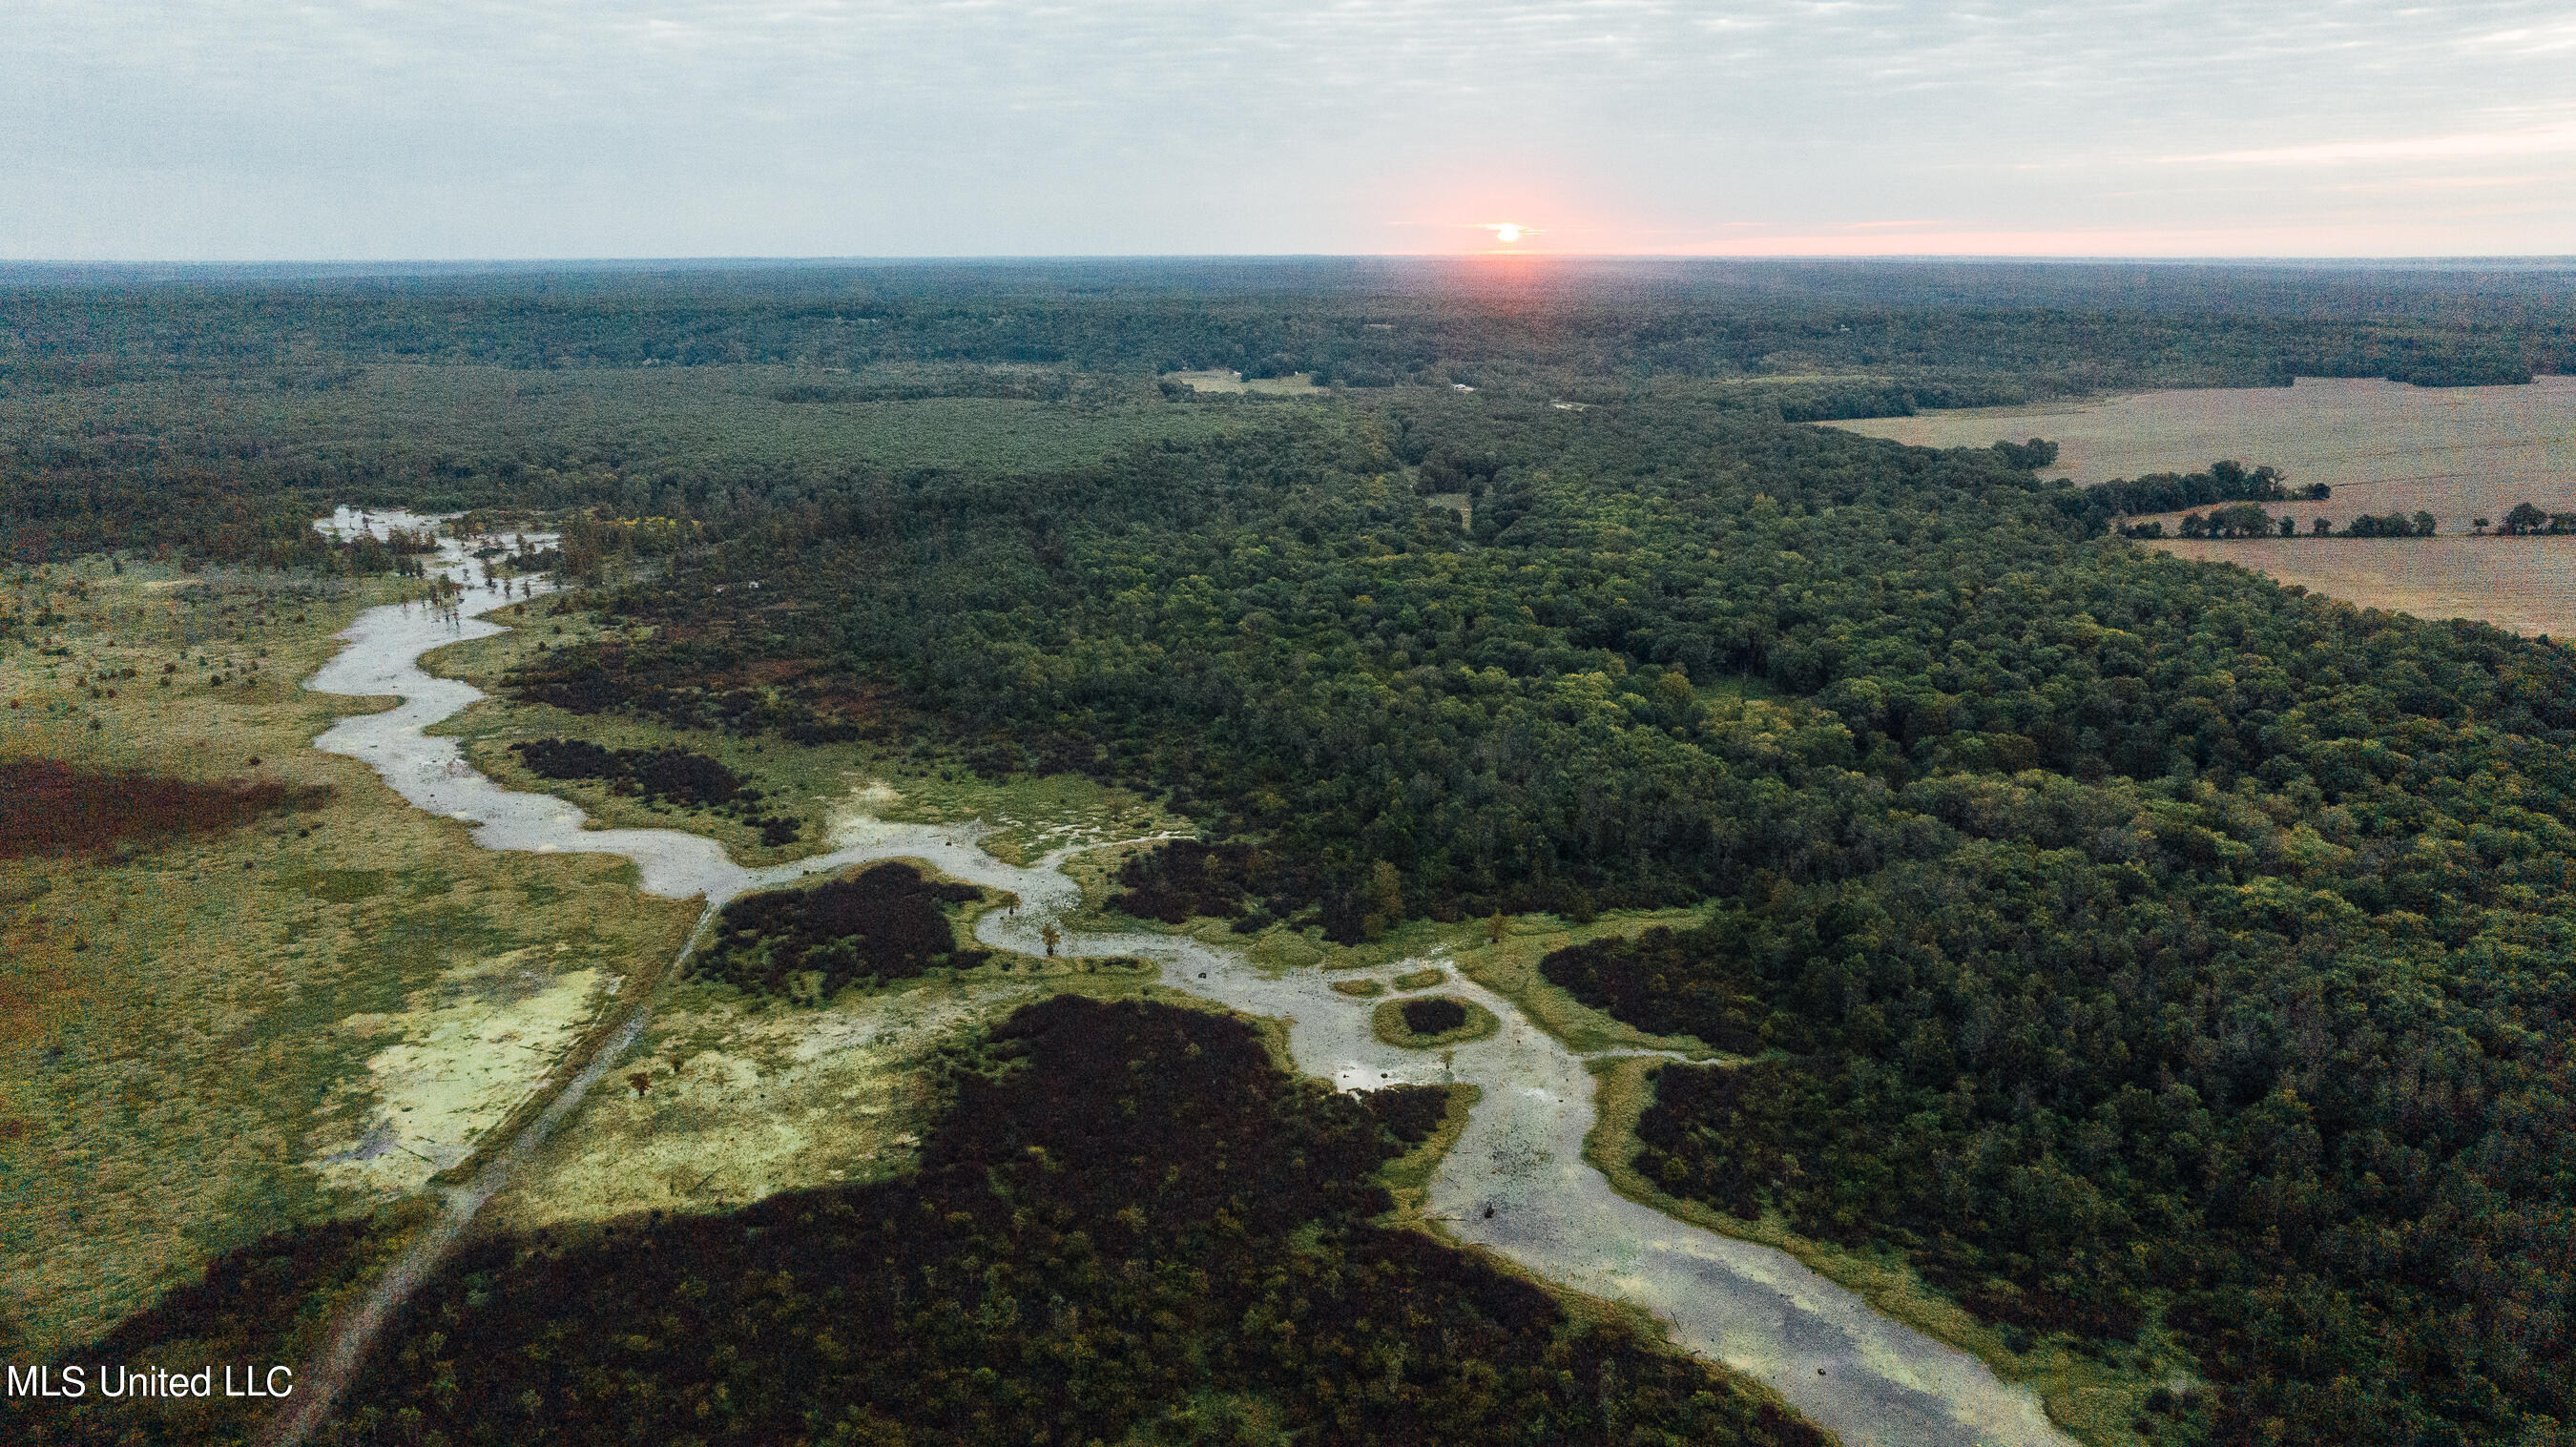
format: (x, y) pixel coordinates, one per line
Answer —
(2455, 452)
(1296, 384)
(2458, 453)
(2525, 584)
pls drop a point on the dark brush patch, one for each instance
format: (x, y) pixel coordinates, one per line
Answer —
(1435, 1016)
(49, 807)
(883, 923)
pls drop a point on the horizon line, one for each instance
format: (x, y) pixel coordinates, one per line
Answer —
(933, 258)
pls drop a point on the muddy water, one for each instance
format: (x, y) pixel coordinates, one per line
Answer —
(1516, 1181)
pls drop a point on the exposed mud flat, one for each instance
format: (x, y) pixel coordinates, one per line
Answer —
(738, 1104)
(460, 1060)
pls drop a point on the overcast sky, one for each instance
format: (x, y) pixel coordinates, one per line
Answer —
(390, 129)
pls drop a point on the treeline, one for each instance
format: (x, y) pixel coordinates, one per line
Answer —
(2248, 520)
(189, 515)
(1358, 323)
(1033, 384)
(2526, 520)
(1128, 1227)
(2225, 481)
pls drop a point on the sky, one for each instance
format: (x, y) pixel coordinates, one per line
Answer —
(241, 130)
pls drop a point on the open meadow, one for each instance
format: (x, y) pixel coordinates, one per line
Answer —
(216, 1034)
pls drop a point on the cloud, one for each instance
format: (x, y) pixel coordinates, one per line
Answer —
(431, 128)
(2471, 145)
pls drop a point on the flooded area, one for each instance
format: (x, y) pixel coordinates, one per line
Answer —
(1516, 1180)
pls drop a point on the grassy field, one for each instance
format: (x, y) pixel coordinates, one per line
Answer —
(1387, 1022)
(211, 1038)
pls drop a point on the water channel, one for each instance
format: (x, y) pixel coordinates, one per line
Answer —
(1515, 1182)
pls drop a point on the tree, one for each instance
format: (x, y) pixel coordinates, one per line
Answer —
(2425, 523)
(2525, 519)
(1053, 937)
(2320, 527)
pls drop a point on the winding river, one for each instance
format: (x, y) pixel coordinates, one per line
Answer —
(1515, 1182)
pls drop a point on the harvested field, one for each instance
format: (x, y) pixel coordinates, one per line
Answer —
(2459, 453)
(2527, 585)
(2455, 452)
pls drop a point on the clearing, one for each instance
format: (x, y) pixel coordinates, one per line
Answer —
(1295, 384)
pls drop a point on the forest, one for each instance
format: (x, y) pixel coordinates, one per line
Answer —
(209, 412)
(2129, 945)
(2208, 942)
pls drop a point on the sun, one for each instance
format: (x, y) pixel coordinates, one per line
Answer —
(1507, 232)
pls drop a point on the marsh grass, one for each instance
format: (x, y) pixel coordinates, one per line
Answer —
(1408, 1176)
(173, 1055)
(746, 1097)
(1510, 968)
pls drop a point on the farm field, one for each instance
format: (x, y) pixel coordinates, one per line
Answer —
(2456, 452)
(2527, 585)
(2459, 453)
